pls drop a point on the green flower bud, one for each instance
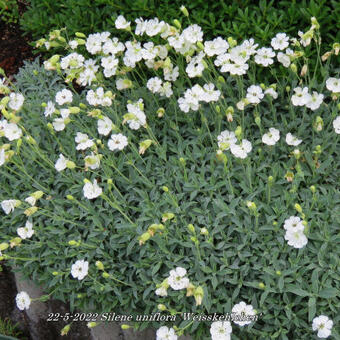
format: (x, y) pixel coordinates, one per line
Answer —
(298, 208)
(105, 275)
(312, 189)
(184, 11)
(161, 307)
(200, 46)
(65, 330)
(92, 324)
(160, 112)
(74, 109)
(293, 67)
(270, 179)
(55, 273)
(70, 165)
(262, 285)
(220, 79)
(238, 132)
(177, 24)
(99, 265)
(204, 231)
(80, 35)
(3, 246)
(232, 43)
(165, 189)
(191, 228)
(217, 108)
(124, 327)
(70, 197)
(258, 121)
(278, 273)
(144, 145)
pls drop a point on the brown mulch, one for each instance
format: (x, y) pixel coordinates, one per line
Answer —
(14, 47)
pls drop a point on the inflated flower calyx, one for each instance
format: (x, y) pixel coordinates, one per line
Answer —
(198, 295)
(99, 265)
(144, 145)
(65, 330)
(167, 216)
(30, 211)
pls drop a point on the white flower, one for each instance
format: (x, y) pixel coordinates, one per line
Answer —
(314, 101)
(61, 163)
(177, 279)
(92, 191)
(165, 333)
(31, 200)
(59, 124)
(280, 41)
(83, 141)
(254, 94)
(92, 161)
(243, 313)
(161, 291)
(264, 56)
(300, 97)
(323, 325)
(220, 330)
(271, 92)
(292, 140)
(154, 84)
(241, 150)
(193, 34)
(117, 142)
(72, 61)
(15, 101)
(139, 118)
(73, 44)
(293, 223)
(63, 97)
(93, 43)
(9, 205)
(296, 238)
(284, 59)
(27, 231)
(49, 109)
(80, 269)
(23, 300)
(271, 137)
(225, 139)
(216, 47)
(3, 156)
(11, 131)
(333, 84)
(105, 126)
(336, 124)
(121, 23)
(210, 95)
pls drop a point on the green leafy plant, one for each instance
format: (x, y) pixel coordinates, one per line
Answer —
(9, 11)
(169, 177)
(259, 19)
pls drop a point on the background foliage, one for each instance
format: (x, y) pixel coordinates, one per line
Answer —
(258, 19)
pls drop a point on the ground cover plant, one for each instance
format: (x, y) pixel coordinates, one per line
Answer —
(162, 174)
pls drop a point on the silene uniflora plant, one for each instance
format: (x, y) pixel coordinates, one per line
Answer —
(147, 171)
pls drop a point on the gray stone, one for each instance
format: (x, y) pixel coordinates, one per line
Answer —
(107, 331)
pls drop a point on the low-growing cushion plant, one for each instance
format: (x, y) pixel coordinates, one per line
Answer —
(161, 174)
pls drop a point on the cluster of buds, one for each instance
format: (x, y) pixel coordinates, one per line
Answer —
(153, 228)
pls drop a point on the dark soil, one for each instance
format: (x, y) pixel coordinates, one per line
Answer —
(14, 47)
(8, 310)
